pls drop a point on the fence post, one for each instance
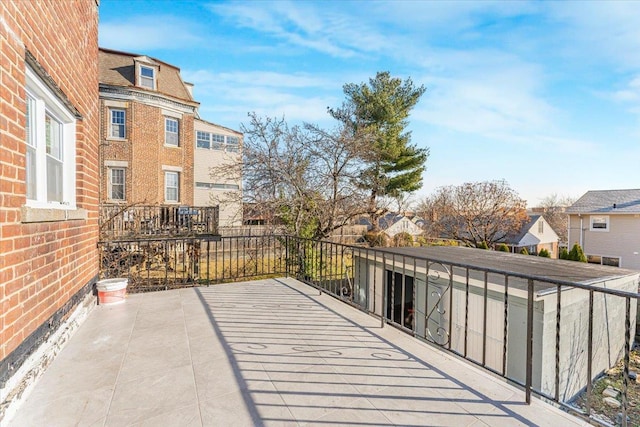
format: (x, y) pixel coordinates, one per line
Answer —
(529, 341)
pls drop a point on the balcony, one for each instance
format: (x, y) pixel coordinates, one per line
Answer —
(332, 334)
(262, 353)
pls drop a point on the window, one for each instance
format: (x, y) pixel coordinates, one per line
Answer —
(603, 260)
(232, 143)
(203, 139)
(117, 124)
(147, 77)
(540, 226)
(600, 223)
(116, 184)
(209, 185)
(171, 136)
(50, 137)
(172, 186)
(218, 141)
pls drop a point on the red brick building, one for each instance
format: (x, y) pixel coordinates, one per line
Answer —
(147, 133)
(49, 127)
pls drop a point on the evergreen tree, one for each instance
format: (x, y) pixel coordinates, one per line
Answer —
(544, 253)
(377, 112)
(502, 247)
(524, 251)
(576, 254)
(564, 254)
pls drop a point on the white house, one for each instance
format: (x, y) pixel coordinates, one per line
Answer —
(534, 236)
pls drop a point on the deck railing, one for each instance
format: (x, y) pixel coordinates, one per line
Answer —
(139, 221)
(552, 337)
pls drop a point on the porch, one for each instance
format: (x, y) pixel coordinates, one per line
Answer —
(267, 352)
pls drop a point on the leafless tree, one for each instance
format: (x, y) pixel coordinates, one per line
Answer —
(477, 213)
(300, 177)
(553, 209)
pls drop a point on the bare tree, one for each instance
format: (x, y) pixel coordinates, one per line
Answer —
(553, 209)
(478, 213)
(300, 177)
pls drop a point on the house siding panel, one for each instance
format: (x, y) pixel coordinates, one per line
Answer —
(622, 240)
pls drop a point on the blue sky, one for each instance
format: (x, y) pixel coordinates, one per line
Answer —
(545, 95)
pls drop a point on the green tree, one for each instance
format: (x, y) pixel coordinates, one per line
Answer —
(544, 253)
(524, 251)
(403, 239)
(577, 254)
(502, 247)
(378, 112)
(482, 245)
(564, 254)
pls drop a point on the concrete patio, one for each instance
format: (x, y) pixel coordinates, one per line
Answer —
(263, 353)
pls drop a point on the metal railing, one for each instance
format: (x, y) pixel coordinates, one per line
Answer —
(550, 336)
(138, 221)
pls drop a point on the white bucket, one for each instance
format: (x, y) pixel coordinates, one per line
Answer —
(112, 291)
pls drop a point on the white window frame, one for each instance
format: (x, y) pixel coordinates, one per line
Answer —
(198, 139)
(142, 79)
(167, 174)
(170, 135)
(111, 184)
(599, 219)
(43, 102)
(112, 125)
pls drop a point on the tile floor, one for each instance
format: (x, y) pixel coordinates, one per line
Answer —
(263, 353)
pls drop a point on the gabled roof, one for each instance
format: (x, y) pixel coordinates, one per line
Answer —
(119, 69)
(607, 201)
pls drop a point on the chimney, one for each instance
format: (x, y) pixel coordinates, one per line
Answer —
(189, 87)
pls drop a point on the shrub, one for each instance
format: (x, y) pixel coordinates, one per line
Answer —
(375, 239)
(403, 239)
(502, 247)
(544, 253)
(524, 251)
(482, 245)
(564, 254)
(576, 254)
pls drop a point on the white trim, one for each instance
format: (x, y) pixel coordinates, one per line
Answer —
(116, 163)
(171, 113)
(602, 217)
(115, 104)
(169, 168)
(47, 102)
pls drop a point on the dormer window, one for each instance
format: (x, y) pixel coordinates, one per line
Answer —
(147, 77)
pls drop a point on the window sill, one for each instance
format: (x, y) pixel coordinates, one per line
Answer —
(31, 214)
(113, 138)
(172, 146)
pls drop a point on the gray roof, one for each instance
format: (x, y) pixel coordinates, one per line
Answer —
(569, 271)
(603, 201)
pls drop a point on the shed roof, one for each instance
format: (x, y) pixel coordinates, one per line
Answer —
(603, 201)
(118, 69)
(555, 269)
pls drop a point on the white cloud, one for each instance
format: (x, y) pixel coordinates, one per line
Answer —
(143, 33)
(306, 25)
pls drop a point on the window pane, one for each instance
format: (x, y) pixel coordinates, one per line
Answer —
(54, 180)
(171, 180)
(171, 132)
(118, 123)
(202, 139)
(52, 129)
(147, 77)
(31, 173)
(218, 141)
(146, 72)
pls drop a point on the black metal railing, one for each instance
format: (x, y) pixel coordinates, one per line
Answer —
(552, 337)
(140, 221)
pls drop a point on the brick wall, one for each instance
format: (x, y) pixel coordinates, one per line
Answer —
(145, 151)
(44, 264)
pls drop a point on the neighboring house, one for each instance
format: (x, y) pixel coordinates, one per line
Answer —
(147, 134)
(217, 173)
(534, 236)
(49, 132)
(392, 224)
(606, 223)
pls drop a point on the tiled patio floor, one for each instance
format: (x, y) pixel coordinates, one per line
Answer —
(263, 353)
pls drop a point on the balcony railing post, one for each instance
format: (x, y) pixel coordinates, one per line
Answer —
(529, 360)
